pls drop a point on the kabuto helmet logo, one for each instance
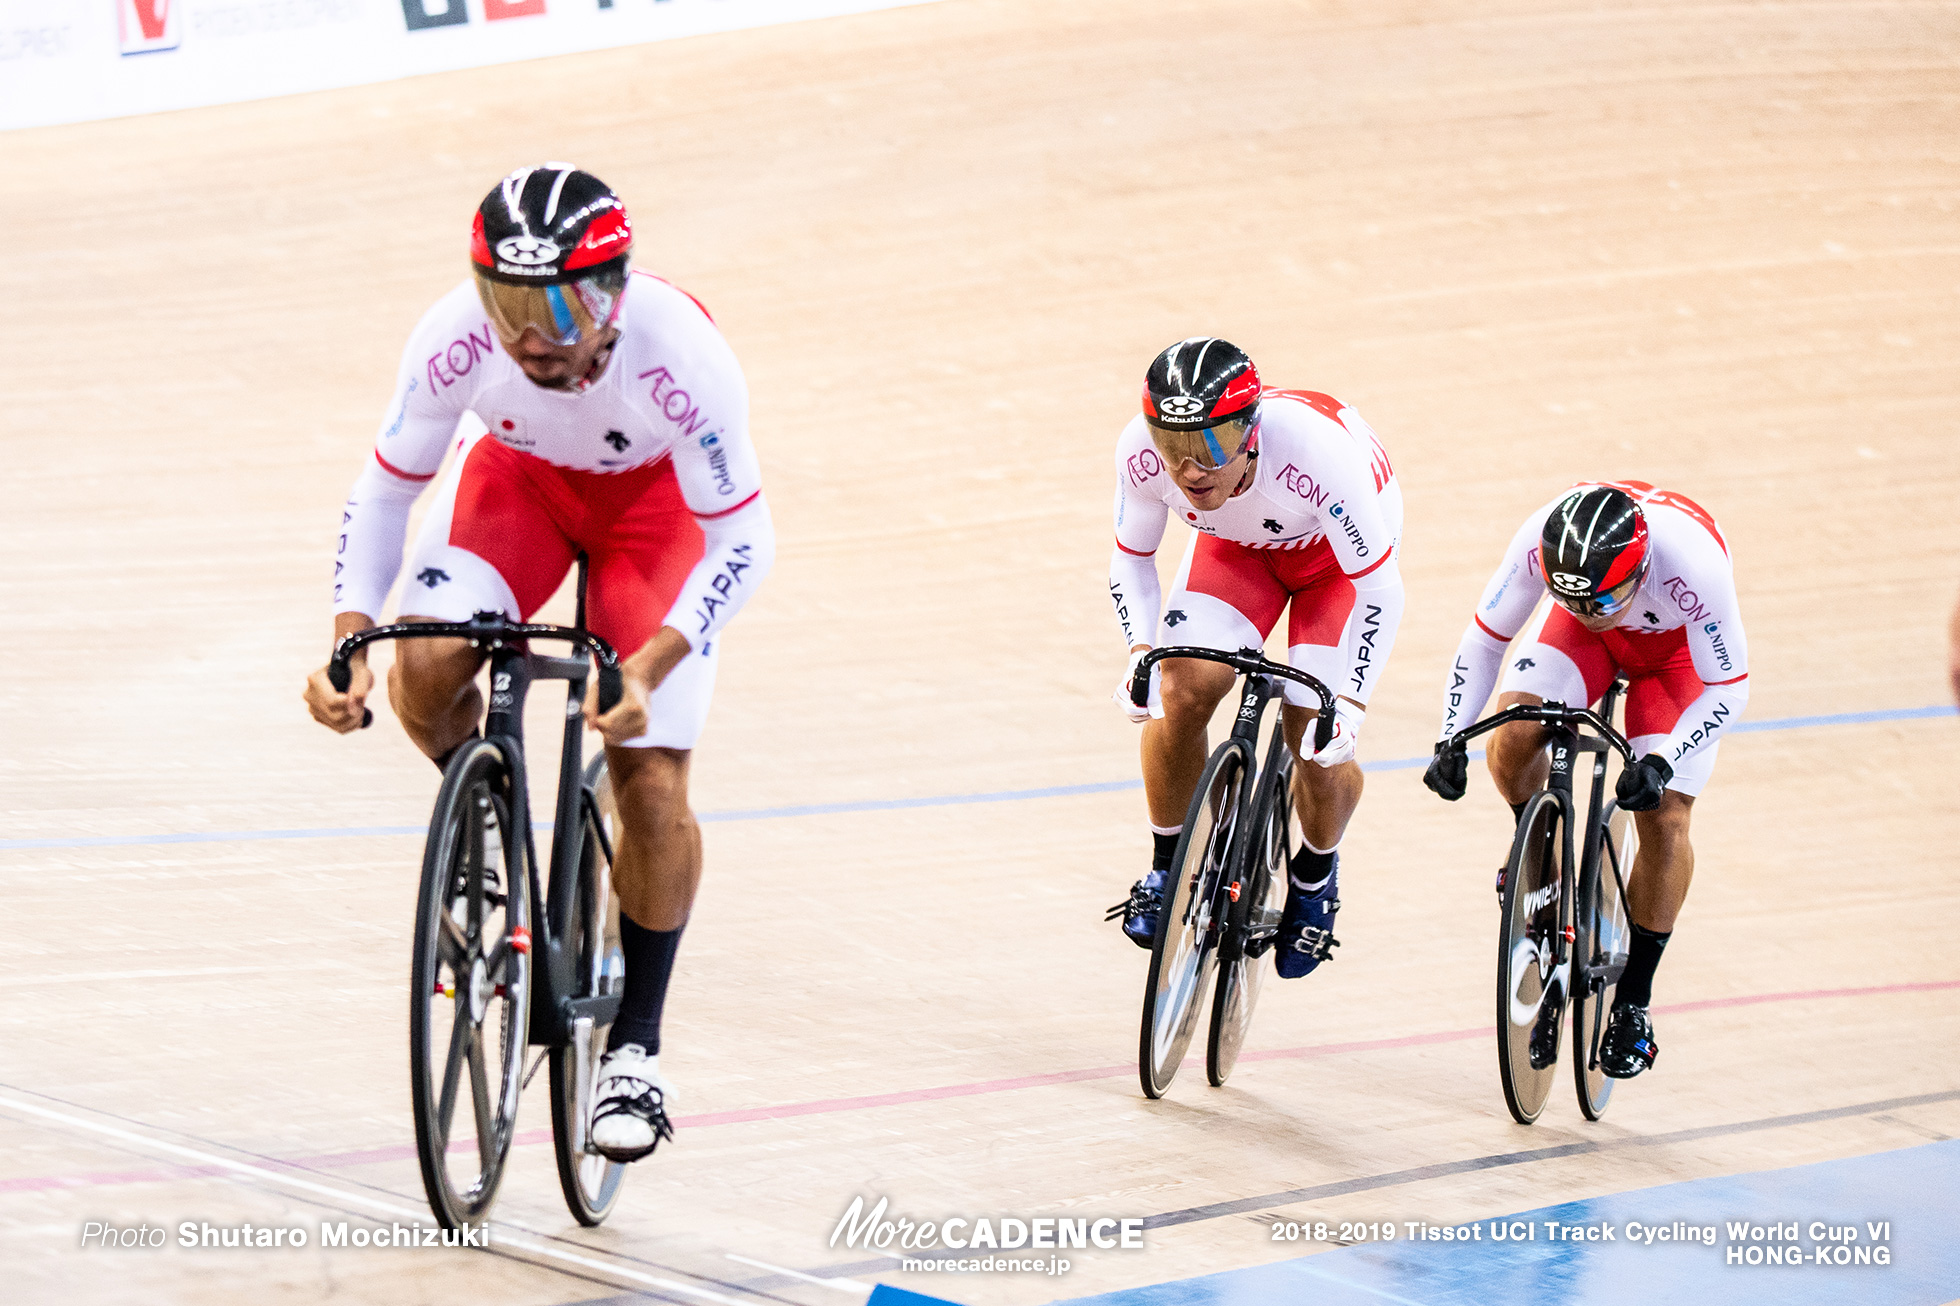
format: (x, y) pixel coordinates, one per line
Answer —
(1568, 583)
(528, 251)
(1180, 407)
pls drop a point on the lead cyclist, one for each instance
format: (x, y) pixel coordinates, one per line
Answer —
(612, 419)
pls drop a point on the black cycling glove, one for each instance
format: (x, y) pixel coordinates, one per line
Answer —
(1448, 771)
(1642, 784)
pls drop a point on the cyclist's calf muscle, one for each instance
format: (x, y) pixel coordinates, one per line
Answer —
(657, 862)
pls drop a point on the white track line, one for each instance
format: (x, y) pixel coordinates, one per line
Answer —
(345, 1196)
(851, 1286)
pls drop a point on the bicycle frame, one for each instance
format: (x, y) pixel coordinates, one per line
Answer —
(1565, 743)
(513, 669)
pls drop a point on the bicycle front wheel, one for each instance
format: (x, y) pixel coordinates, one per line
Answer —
(591, 1182)
(1531, 984)
(469, 987)
(1256, 897)
(1605, 955)
(1189, 918)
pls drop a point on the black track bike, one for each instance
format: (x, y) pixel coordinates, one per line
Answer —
(1563, 936)
(1226, 890)
(489, 978)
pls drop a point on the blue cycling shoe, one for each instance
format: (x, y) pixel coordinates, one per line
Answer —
(1306, 933)
(1139, 910)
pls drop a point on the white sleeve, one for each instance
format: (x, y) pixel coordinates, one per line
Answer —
(1365, 548)
(373, 528)
(1133, 586)
(1136, 594)
(1720, 649)
(1378, 599)
(1473, 674)
(741, 548)
(1513, 591)
(408, 450)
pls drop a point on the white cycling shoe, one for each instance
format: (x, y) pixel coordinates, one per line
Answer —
(630, 1102)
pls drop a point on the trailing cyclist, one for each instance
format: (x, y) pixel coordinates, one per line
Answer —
(617, 426)
(1642, 583)
(1292, 502)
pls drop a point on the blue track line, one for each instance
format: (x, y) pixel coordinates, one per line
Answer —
(885, 804)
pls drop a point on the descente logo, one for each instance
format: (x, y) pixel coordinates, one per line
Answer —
(876, 1230)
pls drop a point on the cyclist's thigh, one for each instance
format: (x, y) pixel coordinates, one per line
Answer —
(1317, 622)
(640, 559)
(1559, 660)
(1662, 686)
(491, 541)
(1225, 597)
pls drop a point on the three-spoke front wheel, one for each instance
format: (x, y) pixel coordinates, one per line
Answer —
(469, 988)
(1189, 919)
(1531, 981)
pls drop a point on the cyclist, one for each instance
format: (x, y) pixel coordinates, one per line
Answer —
(1641, 582)
(612, 418)
(1291, 500)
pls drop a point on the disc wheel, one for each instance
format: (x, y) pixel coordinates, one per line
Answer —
(469, 989)
(1256, 896)
(591, 1182)
(1189, 919)
(1609, 937)
(1530, 987)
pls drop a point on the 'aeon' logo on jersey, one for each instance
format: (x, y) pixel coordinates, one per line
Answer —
(1180, 407)
(1684, 598)
(1302, 484)
(1144, 465)
(527, 251)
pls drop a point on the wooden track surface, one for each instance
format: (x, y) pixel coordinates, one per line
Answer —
(1711, 246)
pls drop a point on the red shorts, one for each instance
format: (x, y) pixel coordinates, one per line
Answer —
(1229, 596)
(505, 529)
(1565, 662)
(530, 519)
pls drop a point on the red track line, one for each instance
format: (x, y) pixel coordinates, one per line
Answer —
(829, 1106)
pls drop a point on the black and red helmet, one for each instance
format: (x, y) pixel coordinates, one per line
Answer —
(550, 248)
(1594, 550)
(1201, 399)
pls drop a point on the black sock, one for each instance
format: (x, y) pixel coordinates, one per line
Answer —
(1643, 954)
(1307, 870)
(649, 963)
(1517, 810)
(1160, 857)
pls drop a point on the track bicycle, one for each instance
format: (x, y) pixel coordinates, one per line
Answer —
(1226, 890)
(1563, 932)
(488, 977)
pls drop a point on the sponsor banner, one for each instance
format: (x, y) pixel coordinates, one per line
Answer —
(88, 59)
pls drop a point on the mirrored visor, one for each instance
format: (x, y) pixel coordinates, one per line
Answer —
(563, 314)
(1211, 447)
(1604, 605)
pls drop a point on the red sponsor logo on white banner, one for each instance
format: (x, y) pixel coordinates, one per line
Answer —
(146, 25)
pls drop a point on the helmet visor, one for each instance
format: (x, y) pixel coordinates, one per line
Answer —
(1211, 447)
(563, 314)
(1607, 604)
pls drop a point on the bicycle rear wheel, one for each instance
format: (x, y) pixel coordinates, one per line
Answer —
(469, 987)
(1530, 987)
(1188, 920)
(1607, 955)
(591, 1182)
(1257, 898)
